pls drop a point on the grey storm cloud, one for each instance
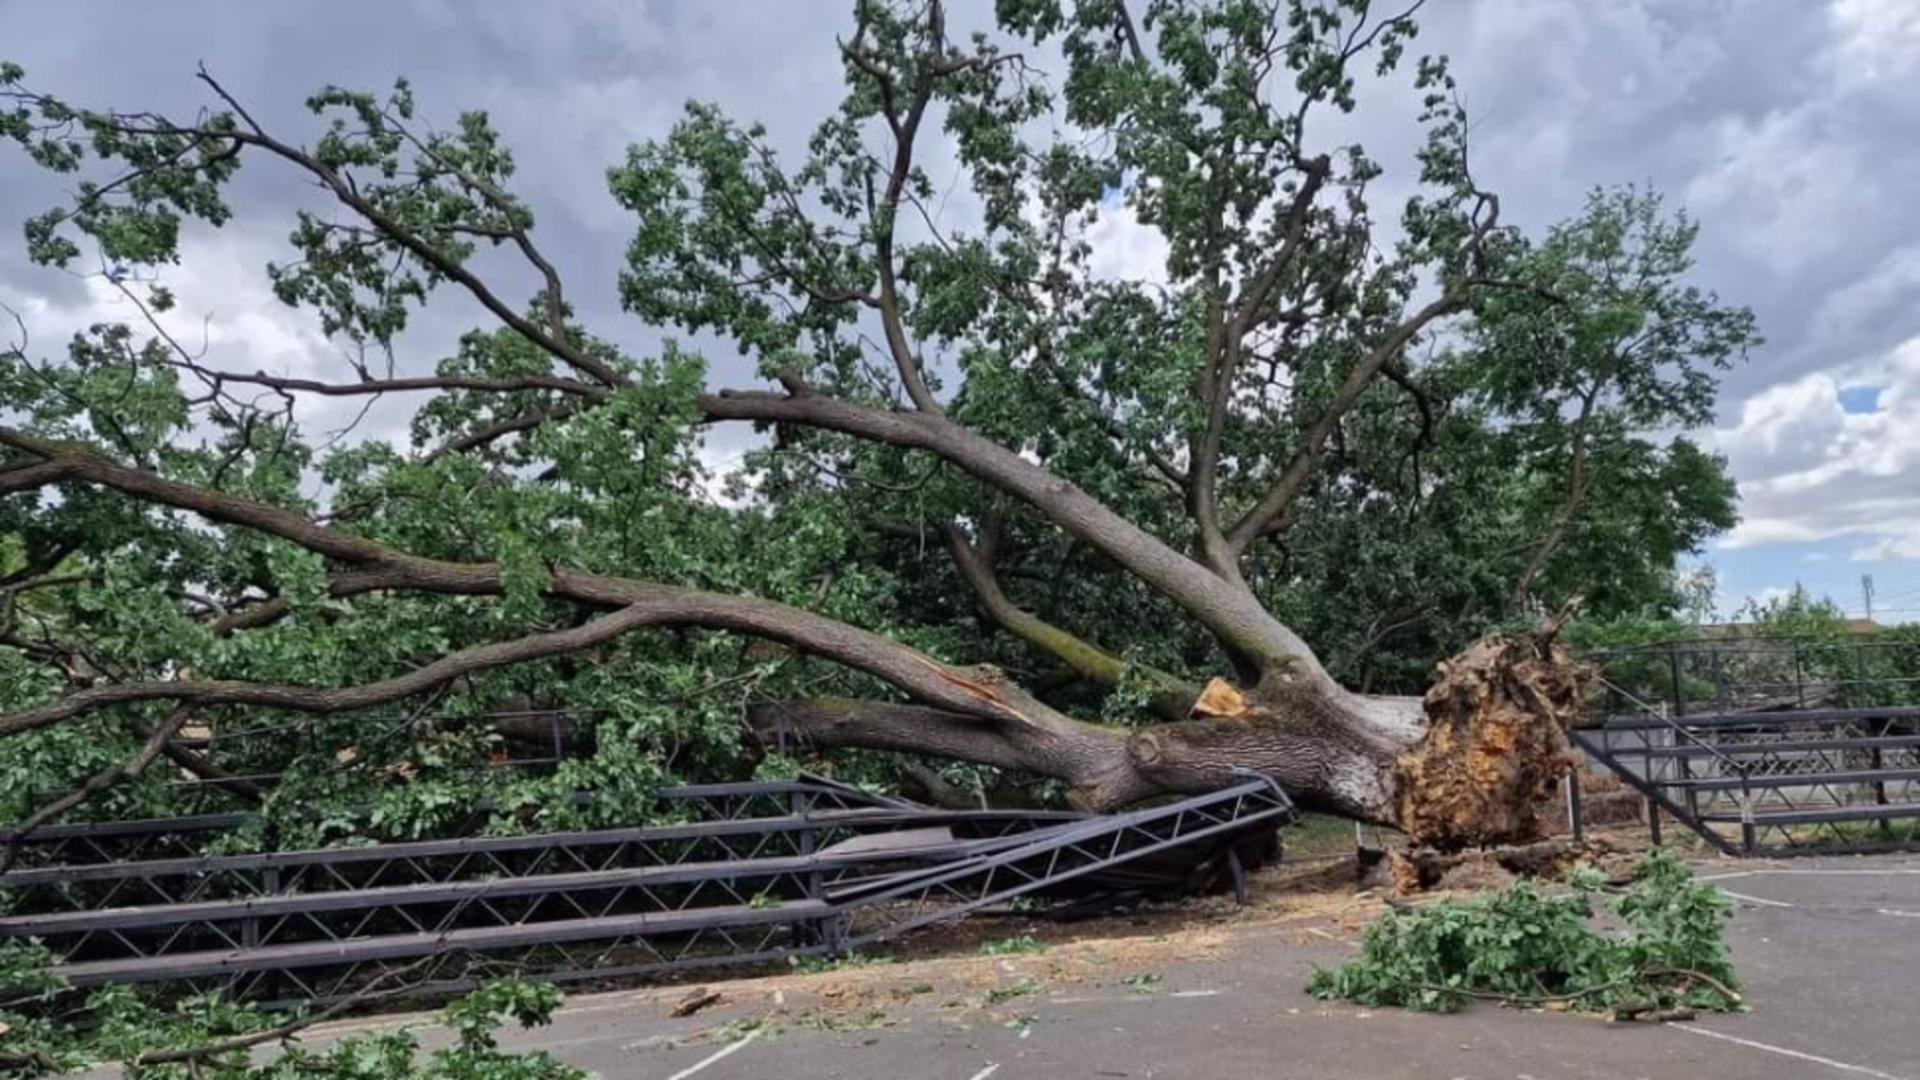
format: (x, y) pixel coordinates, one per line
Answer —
(1785, 126)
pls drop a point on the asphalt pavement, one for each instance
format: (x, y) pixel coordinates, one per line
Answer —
(1829, 951)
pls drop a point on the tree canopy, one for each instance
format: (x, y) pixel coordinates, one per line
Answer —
(1006, 507)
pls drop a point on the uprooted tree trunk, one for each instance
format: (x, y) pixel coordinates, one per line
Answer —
(1469, 764)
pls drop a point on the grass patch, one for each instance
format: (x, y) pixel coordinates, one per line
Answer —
(1318, 836)
(1013, 946)
(1001, 994)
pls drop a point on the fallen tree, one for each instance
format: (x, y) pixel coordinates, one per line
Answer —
(1469, 764)
(1170, 431)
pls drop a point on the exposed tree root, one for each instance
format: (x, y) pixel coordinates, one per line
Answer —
(1420, 869)
(1496, 744)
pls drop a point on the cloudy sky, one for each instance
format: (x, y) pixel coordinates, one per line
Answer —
(1787, 127)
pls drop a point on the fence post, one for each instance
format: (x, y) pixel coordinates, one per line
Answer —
(1681, 763)
(1576, 811)
(1719, 680)
(1679, 696)
(1853, 696)
(1799, 685)
(1746, 815)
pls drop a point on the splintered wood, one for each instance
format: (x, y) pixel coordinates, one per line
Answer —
(1496, 746)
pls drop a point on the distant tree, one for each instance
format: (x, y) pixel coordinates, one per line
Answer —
(1600, 352)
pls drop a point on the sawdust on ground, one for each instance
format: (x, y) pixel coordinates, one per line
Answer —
(1304, 902)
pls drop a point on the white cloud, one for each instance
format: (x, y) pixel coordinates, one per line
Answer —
(1880, 292)
(1123, 249)
(227, 318)
(1877, 41)
(1800, 192)
(1810, 470)
(1905, 545)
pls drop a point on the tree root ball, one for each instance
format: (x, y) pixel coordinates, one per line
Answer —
(1419, 870)
(1496, 744)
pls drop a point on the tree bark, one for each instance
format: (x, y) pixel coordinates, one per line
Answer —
(1469, 764)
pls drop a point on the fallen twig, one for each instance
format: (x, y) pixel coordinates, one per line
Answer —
(284, 1031)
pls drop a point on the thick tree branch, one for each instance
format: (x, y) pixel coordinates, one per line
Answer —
(66, 463)
(1422, 403)
(1217, 379)
(1229, 611)
(108, 777)
(1576, 494)
(1251, 306)
(905, 127)
(339, 586)
(1313, 442)
(199, 765)
(311, 700)
(978, 692)
(976, 559)
(1093, 759)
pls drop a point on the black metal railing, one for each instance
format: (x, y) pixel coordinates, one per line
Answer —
(830, 869)
(186, 836)
(1835, 765)
(1738, 674)
(1632, 751)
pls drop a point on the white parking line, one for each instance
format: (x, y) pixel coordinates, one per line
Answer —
(1764, 902)
(1128, 999)
(1761, 900)
(1784, 1052)
(715, 1056)
(1812, 872)
(984, 1073)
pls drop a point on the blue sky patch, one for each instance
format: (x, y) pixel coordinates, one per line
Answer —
(1827, 568)
(1860, 399)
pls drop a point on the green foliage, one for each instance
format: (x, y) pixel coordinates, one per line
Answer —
(548, 450)
(1404, 542)
(1798, 614)
(124, 1024)
(1014, 946)
(1525, 947)
(1000, 995)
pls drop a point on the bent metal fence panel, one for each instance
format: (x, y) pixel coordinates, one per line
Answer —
(185, 837)
(835, 869)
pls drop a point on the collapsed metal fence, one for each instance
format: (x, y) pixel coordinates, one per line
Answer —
(753, 872)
